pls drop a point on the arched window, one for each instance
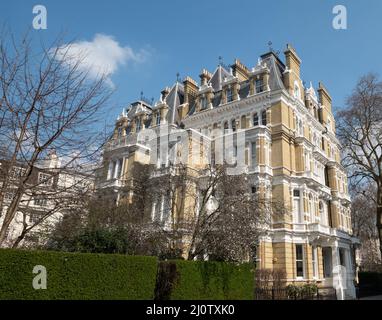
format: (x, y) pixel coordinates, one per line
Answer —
(158, 119)
(225, 126)
(233, 123)
(264, 118)
(255, 119)
(243, 122)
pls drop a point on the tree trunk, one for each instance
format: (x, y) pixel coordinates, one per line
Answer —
(18, 240)
(379, 226)
(9, 216)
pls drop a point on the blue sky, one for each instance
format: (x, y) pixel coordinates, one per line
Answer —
(160, 38)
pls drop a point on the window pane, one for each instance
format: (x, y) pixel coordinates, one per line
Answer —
(255, 120)
(299, 255)
(264, 118)
(300, 269)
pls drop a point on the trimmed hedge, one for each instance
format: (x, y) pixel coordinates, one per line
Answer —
(199, 280)
(77, 275)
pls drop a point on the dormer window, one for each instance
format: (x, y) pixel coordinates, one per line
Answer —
(138, 125)
(259, 85)
(158, 119)
(329, 124)
(229, 94)
(315, 112)
(297, 92)
(119, 131)
(203, 103)
(255, 120)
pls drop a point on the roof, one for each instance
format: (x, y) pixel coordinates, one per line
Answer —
(174, 99)
(275, 66)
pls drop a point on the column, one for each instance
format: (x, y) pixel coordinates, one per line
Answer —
(110, 170)
(116, 169)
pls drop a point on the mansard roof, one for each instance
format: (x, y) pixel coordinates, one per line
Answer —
(137, 108)
(174, 99)
(218, 77)
(276, 68)
(270, 60)
(175, 95)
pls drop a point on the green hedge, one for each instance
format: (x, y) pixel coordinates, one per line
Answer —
(197, 280)
(77, 275)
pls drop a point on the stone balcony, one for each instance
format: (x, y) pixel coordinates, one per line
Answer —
(112, 183)
(128, 140)
(321, 229)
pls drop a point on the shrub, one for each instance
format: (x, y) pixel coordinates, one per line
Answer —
(297, 292)
(309, 290)
(200, 280)
(293, 291)
(77, 275)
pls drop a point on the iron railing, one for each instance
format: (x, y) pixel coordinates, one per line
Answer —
(285, 294)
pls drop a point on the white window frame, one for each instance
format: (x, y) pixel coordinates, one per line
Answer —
(203, 103)
(253, 154)
(300, 260)
(297, 90)
(40, 201)
(315, 262)
(259, 85)
(17, 172)
(45, 179)
(297, 216)
(229, 94)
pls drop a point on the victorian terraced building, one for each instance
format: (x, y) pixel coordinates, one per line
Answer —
(290, 151)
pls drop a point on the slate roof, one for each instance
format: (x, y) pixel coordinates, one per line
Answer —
(275, 66)
(175, 97)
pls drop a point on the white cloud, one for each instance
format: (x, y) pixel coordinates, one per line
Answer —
(101, 56)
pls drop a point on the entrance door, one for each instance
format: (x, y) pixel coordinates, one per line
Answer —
(327, 261)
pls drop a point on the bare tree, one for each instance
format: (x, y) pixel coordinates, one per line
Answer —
(360, 131)
(363, 210)
(48, 103)
(230, 216)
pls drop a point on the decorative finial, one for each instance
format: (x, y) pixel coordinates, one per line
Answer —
(270, 46)
(220, 60)
(141, 95)
(177, 77)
